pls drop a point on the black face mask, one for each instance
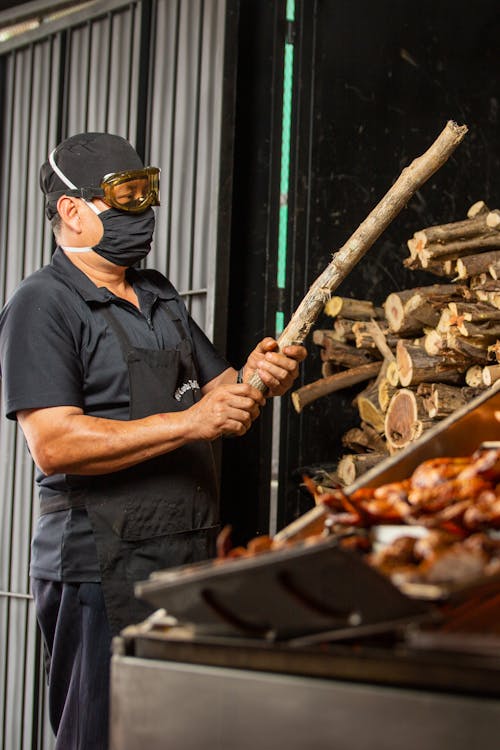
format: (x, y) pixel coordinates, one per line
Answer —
(127, 237)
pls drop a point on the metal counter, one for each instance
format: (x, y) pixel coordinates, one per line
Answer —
(225, 694)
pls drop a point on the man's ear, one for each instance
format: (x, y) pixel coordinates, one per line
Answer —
(67, 208)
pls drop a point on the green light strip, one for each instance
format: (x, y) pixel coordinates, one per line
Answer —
(285, 162)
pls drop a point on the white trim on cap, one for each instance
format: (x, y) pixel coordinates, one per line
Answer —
(68, 183)
(58, 172)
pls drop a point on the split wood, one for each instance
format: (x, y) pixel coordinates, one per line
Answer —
(344, 260)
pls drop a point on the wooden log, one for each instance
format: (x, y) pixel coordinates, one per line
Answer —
(405, 420)
(488, 330)
(353, 466)
(493, 219)
(370, 336)
(482, 282)
(364, 438)
(408, 311)
(435, 342)
(445, 399)
(392, 374)
(385, 392)
(473, 312)
(472, 265)
(477, 208)
(369, 409)
(416, 366)
(342, 329)
(438, 268)
(344, 260)
(456, 231)
(459, 248)
(475, 349)
(474, 376)
(492, 298)
(424, 390)
(354, 309)
(322, 387)
(494, 351)
(491, 373)
(329, 368)
(342, 354)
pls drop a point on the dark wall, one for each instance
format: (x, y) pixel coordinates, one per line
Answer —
(375, 83)
(252, 292)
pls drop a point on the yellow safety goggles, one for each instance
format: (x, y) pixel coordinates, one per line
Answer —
(132, 191)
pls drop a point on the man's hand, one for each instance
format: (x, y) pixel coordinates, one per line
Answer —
(225, 410)
(276, 369)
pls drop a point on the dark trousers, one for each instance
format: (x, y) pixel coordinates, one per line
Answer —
(74, 625)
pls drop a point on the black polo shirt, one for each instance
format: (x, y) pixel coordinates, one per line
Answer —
(56, 349)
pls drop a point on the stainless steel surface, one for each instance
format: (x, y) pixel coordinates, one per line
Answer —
(160, 705)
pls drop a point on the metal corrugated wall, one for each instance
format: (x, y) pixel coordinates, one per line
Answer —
(152, 72)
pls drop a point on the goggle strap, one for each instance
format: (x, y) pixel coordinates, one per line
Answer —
(86, 193)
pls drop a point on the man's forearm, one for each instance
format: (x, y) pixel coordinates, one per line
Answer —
(78, 444)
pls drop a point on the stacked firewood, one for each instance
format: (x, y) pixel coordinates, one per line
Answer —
(425, 352)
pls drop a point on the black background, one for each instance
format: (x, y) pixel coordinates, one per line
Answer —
(375, 83)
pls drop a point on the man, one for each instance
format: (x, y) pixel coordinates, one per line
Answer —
(119, 395)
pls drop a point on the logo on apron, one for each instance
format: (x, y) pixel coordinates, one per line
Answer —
(190, 385)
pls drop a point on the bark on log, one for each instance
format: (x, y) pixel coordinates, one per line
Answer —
(475, 349)
(371, 335)
(482, 282)
(459, 248)
(437, 267)
(473, 312)
(344, 260)
(492, 298)
(322, 387)
(364, 438)
(342, 354)
(445, 399)
(415, 366)
(405, 420)
(488, 330)
(342, 329)
(353, 466)
(443, 234)
(472, 265)
(410, 310)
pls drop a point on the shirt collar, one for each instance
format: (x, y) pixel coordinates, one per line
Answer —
(62, 265)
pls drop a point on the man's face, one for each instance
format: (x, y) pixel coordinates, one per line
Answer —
(132, 192)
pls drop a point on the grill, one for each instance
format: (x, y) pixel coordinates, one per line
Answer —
(314, 627)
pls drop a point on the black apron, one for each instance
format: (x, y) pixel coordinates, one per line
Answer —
(162, 512)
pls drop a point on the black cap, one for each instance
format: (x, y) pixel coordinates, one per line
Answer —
(84, 159)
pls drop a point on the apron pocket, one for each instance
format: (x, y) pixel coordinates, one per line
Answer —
(148, 517)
